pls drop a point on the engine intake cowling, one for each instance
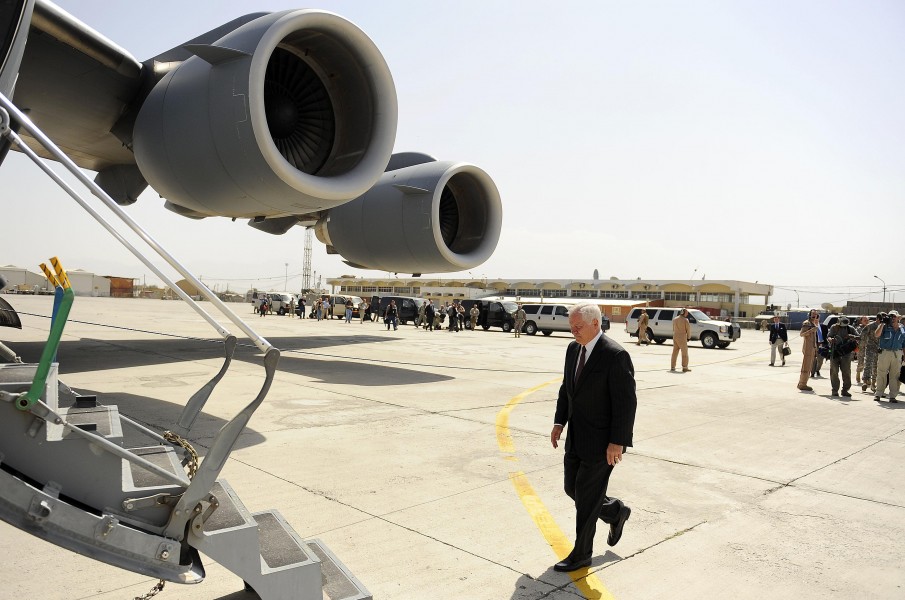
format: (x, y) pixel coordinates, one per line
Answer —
(436, 217)
(290, 113)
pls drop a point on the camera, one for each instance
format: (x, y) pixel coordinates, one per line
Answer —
(884, 318)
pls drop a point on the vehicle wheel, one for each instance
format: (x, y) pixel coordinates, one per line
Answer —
(547, 332)
(530, 328)
(402, 321)
(708, 340)
(659, 340)
(282, 311)
(485, 327)
(507, 327)
(722, 344)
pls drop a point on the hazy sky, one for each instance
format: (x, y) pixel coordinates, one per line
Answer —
(757, 140)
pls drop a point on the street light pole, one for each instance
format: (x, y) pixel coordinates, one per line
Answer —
(884, 288)
(797, 299)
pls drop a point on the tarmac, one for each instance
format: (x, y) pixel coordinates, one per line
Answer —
(423, 461)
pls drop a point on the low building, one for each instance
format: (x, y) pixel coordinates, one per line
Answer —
(719, 298)
(22, 280)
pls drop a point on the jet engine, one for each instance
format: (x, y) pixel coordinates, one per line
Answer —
(427, 218)
(290, 113)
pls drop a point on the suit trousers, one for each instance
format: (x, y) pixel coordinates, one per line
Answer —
(807, 364)
(586, 483)
(774, 347)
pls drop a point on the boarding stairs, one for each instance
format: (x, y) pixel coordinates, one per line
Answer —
(78, 473)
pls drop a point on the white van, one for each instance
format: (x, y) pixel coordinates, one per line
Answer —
(548, 318)
(713, 334)
(279, 301)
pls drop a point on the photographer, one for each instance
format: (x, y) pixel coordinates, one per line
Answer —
(843, 340)
(891, 338)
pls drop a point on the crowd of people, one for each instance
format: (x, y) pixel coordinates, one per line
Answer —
(879, 345)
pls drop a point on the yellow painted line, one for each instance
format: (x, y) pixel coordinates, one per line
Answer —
(587, 583)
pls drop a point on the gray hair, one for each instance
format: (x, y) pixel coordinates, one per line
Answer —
(588, 311)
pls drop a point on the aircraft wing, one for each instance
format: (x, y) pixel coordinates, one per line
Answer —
(280, 118)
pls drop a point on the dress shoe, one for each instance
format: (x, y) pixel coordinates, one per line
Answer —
(569, 564)
(864, 388)
(783, 362)
(616, 528)
(876, 398)
(771, 364)
(846, 394)
(893, 400)
(805, 388)
(686, 370)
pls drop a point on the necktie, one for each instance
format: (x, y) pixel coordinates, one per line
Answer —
(580, 364)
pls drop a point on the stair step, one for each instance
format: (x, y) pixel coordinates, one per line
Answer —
(280, 546)
(338, 582)
(161, 456)
(231, 512)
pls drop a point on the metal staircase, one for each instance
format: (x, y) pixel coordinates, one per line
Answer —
(68, 476)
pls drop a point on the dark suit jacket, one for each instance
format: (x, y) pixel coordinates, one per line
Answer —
(599, 408)
(781, 333)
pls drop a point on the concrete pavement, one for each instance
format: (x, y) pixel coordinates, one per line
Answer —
(423, 461)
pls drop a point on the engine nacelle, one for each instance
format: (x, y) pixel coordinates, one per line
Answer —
(290, 113)
(436, 217)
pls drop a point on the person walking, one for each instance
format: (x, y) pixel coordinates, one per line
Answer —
(597, 402)
(681, 333)
(808, 331)
(327, 308)
(389, 317)
(779, 337)
(363, 309)
(291, 306)
(474, 313)
(520, 318)
(350, 307)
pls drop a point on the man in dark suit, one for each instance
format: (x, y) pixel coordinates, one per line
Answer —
(778, 337)
(597, 401)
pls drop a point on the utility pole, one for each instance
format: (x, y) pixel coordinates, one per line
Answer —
(884, 288)
(306, 261)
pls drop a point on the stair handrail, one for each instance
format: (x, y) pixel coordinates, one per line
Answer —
(199, 399)
(215, 459)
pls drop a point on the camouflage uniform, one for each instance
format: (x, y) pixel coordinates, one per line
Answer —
(520, 318)
(869, 346)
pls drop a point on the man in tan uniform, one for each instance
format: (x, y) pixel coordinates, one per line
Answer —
(642, 328)
(681, 333)
(808, 349)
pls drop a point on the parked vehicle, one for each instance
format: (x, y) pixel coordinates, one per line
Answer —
(711, 333)
(279, 301)
(494, 313)
(406, 307)
(548, 318)
(338, 306)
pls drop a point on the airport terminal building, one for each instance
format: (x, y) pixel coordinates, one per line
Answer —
(727, 298)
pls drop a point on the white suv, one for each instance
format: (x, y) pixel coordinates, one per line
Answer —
(548, 318)
(713, 334)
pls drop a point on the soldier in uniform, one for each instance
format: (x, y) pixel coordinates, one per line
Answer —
(681, 333)
(842, 338)
(474, 313)
(421, 312)
(642, 328)
(869, 347)
(520, 318)
(808, 349)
